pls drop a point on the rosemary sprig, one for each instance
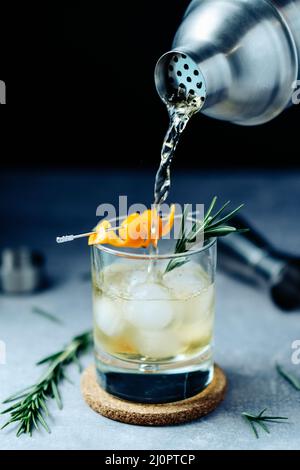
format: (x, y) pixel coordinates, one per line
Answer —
(291, 378)
(47, 315)
(261, 420)
(30, 411)
(212, 226)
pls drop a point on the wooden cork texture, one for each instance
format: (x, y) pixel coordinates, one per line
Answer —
(149, 414)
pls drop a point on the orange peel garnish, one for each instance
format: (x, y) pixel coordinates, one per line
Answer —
(136, 231)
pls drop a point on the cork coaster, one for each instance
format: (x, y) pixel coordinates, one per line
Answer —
(152, 414)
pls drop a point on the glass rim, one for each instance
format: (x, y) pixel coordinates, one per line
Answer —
(143, 256)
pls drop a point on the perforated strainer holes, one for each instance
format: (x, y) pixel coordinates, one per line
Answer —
(183, 73)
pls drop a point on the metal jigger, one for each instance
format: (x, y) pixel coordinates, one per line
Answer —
(241, 56)
(21, 271)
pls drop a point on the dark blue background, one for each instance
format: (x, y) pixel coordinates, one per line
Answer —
(81, 76)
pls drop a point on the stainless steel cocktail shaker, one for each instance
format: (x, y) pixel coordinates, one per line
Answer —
(241, 56)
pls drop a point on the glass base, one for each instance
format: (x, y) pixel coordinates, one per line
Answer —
(154, 382)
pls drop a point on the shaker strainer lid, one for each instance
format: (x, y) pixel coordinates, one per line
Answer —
(176, 70)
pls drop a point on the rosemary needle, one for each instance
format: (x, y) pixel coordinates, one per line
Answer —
(260, 420)
(47, 315)
(292, 379)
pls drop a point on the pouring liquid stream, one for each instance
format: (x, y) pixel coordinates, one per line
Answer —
(181, 107)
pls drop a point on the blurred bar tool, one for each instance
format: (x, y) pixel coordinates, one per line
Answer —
(21, 271)
(248, 256)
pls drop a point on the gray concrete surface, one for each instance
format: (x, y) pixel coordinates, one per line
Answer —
(250, 332)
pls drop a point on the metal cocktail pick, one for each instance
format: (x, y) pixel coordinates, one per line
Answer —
(70, 238)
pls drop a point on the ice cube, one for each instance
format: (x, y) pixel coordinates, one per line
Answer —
(197, 334)
(114, 277)
(136, 277)
(150, 307)
(120, 278)
(158, 344)
(185, 280)
(108, 316)
(198, 322)
(201, 306)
